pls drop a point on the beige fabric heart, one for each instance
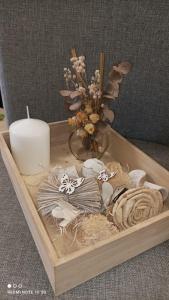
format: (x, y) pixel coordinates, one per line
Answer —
(134, 206)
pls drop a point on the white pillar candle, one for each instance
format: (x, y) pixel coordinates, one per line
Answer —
(30, 145)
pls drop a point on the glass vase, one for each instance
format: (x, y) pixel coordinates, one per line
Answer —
(90, 146)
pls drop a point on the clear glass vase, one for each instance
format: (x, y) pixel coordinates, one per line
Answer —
(90, 146)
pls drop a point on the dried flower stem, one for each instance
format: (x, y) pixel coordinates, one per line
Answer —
(102, 60)
(86, 98)
(73, 53)
(101, 67)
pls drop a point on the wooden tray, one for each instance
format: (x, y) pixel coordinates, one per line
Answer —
(67, 271)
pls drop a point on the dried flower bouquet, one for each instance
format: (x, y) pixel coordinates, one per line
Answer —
(89, 101)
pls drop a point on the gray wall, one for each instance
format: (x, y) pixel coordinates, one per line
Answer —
(35, 40)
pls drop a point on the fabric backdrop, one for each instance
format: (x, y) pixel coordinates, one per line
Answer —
(35, 42)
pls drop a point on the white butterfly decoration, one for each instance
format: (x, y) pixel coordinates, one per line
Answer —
(104, 175)
(68, 185)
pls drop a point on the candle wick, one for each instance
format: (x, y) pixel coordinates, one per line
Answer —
(27, 111)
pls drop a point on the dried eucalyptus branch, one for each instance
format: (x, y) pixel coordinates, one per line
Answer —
(88, 101)
(115, 78)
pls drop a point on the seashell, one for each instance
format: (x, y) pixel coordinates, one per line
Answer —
(60, 171)
(137, 177)
(164, 191)
(116, 184)
(91, 167)
(135, 206)
(109, 195)
(107, 192)
(94, 228)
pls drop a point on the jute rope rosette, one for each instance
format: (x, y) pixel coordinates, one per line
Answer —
(135, 206)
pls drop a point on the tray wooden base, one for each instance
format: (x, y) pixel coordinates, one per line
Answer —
(63, 270)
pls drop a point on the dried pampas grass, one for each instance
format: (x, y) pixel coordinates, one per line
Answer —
(94, 228)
